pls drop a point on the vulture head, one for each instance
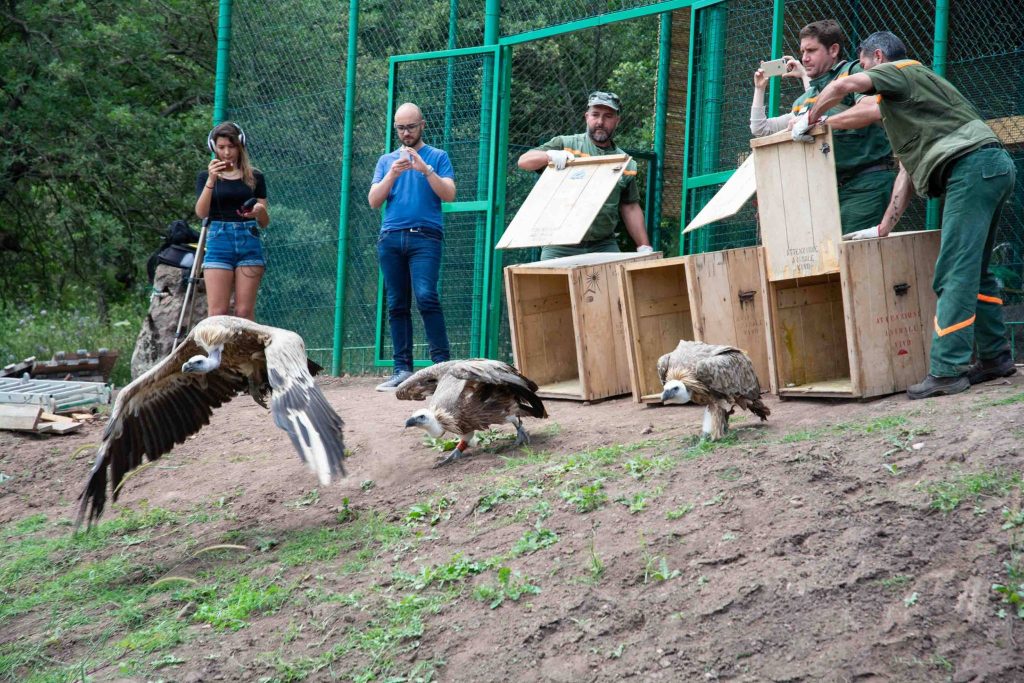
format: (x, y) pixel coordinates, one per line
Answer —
(425, 419)
(202, 364)
(675, 392)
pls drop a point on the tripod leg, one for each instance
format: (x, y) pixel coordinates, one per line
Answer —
(186, 305)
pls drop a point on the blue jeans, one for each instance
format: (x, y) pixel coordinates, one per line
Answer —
(410, 261)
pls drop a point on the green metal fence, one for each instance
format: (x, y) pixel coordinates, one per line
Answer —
(289, 74)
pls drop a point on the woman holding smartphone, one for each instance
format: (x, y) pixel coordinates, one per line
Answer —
(233, 195)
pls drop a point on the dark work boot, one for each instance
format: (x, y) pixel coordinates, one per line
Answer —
(939, 386)
(993, 368)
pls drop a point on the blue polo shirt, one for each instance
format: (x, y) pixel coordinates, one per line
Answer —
(412, 203)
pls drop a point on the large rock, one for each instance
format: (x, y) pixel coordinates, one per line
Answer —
(156, 338)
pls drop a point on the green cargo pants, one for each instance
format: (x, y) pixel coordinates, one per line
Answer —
(600, 246)
(864, 199)
(969, 309)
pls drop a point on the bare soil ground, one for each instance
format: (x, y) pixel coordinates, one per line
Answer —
(807, 548)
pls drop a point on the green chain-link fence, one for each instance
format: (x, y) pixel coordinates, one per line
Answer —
(288, 83)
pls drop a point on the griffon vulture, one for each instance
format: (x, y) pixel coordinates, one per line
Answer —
(468, 396)
(176, 397)
(717, 377)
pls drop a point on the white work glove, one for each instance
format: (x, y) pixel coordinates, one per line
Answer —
(644, 249)
(559, 158)
(800, 128)
(865, 234)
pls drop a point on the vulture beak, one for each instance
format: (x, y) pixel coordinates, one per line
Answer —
(414, 421)
(675, 392)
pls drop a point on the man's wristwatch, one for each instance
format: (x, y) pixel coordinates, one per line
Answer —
(430, 171)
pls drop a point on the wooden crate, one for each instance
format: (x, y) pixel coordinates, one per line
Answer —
(712, 297)
(864, 331)
(566, 324)
(797, 204)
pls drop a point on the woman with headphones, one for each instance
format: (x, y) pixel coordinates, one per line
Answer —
(233, 195)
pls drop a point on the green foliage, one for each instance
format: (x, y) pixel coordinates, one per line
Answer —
(946, 496)
(533, 540)
(509, 490)
(656, 568)
(42, 331)
(510, 585)
(586, 497)
(455, 570)
(679, 512)
(247, 596)
(430, 512)
(103, 133)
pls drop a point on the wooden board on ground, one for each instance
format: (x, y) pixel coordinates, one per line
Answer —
(19, 417)
(19, 368)
(730, 198)
(81, 366)
(797, 204)
(562, 205)
(566, 324)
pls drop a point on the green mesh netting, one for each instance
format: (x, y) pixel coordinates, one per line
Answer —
(287, 90)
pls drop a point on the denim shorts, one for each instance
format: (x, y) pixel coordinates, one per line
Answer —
(231, 244)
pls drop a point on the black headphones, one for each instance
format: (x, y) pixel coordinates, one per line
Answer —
(211, 143)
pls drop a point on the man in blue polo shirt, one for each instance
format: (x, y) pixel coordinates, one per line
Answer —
(413, 180)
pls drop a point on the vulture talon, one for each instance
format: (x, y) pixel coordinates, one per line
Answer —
(456, 454)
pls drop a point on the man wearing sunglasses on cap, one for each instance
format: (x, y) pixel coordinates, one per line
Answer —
(413, 180)
(602, 117)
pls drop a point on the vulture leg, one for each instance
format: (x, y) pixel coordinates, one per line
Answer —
(521, 435)
(705, 432)
(719, 422)
(256, 391)
(460, 450)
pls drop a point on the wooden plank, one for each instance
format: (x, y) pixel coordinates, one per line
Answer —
(748, 308)
(809, 332)
(840, 387)
(61, 427)
(902, 325)
(798, 206)
(784, 137)
(562, 205)
(19, 417)
(54, 417)
(864, 299)
(629, 322)
(768, 302)
(570, 388)
(730, 198)
(926, 255)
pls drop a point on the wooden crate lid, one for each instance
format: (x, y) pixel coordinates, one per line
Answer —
(569, 262)
(563, 204)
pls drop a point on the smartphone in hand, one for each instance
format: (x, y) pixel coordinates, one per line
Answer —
(247, 206)
(775, 67)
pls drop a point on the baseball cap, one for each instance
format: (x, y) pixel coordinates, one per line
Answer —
(604, 99)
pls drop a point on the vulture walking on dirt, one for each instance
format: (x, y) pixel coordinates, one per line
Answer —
(176, 398)
(716, 377)
(467, 396)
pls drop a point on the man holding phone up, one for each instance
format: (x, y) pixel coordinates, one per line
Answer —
(864, 168)
(413, 180)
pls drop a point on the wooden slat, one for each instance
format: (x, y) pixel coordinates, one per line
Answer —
(19, 417)
(563, 204)
(730, 198)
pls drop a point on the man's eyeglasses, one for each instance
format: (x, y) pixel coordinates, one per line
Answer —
(407, 128)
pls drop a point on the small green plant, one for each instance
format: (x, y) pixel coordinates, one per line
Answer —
(307, 500)
(345, 512)
(455, 570)
(510, 585)
(595, 564)
(430, 512)
(946, 496)
(533, 540)
(634, 503)
(443, 444)
(1012, 591)
(1009, 400)
(895, 581)
(679, 512)
(509, 490)
(657, 568)
(587, 497)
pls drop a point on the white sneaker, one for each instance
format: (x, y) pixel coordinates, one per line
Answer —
(392, 382)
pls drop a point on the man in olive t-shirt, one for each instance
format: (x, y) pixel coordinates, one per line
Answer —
(602, 117)
(944, 149)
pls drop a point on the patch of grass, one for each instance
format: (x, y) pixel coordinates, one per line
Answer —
(634, 503)
(430, 512)
(599, 457)
(158, 635)
(1012, 591)
(895, 582)
(1008, 401)
(509, 490)
(656, 568)
(946, 496)
(595, 565)
(455, 570)
(700, 447)
(366, 532)
(585, 497)
(308, 499)
(533, 540)
(246, 597)
(679, 512)
(510, 586)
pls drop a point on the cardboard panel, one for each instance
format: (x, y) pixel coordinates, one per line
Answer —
(563, 204)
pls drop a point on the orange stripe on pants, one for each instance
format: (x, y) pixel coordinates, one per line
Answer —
(990, 299)
(942, 332)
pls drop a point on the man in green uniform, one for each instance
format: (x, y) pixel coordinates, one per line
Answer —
(944, 149)
(864, 168)
(602, 117)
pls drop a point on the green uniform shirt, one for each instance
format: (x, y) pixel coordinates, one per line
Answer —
(927, 120)
(625, 191)
(855, 149)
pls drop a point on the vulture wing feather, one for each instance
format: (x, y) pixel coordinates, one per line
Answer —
(496, 372)
(423, 383)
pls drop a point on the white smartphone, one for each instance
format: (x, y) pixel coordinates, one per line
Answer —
(776, 67)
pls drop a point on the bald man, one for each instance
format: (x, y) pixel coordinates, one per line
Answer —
(413, 180)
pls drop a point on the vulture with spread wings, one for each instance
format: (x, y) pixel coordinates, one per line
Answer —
(716, 377)
(176, 398)
(467, 396)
